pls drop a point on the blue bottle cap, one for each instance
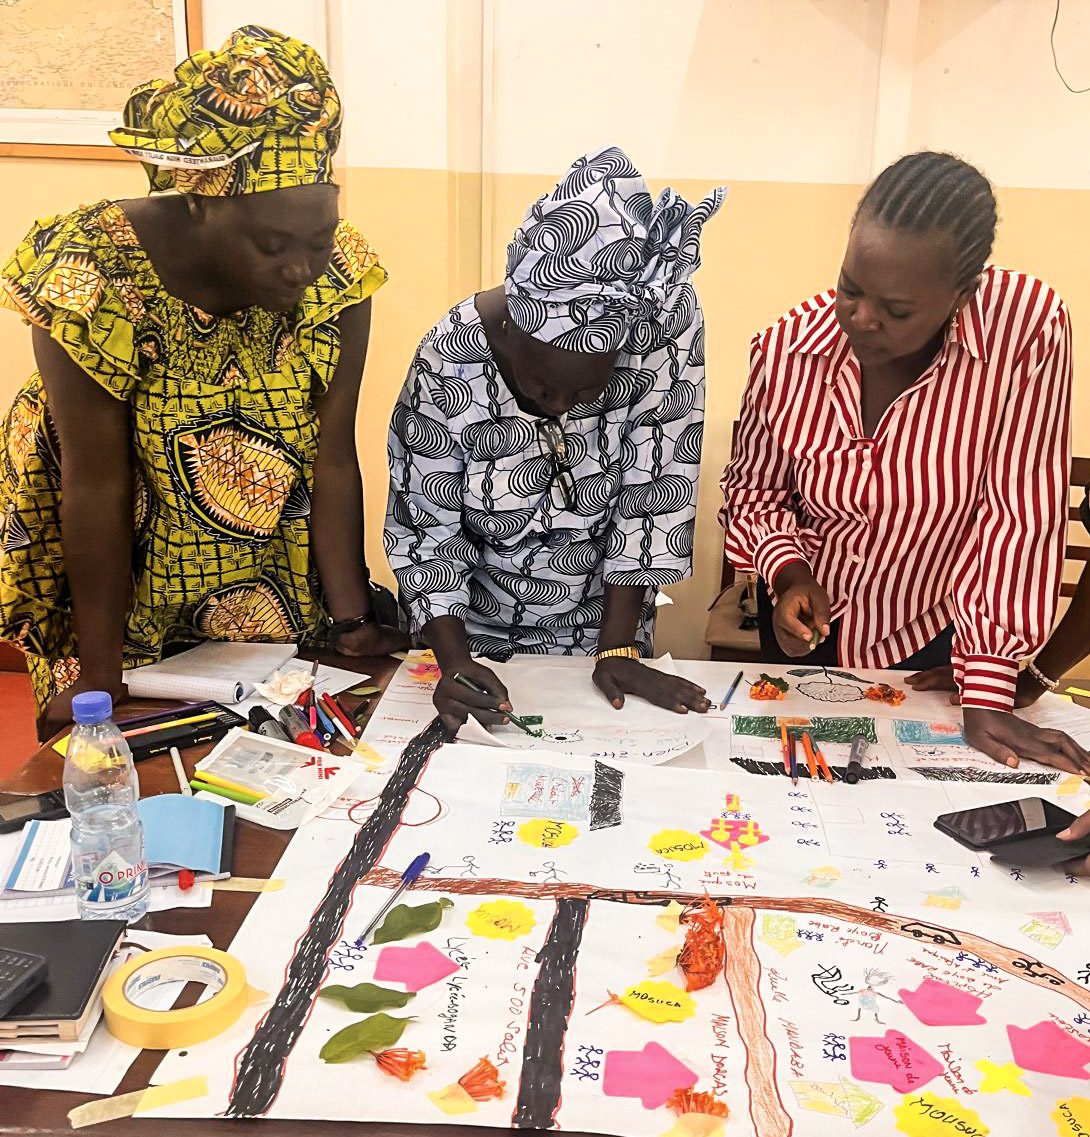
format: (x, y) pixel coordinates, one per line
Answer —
(92, 707)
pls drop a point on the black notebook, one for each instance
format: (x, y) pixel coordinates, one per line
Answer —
(78, 953)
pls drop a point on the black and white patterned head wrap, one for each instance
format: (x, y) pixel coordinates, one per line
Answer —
(598, 256)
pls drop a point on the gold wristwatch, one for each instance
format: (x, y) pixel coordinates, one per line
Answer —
(627, 652)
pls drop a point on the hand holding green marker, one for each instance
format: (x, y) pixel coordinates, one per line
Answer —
(471, 685)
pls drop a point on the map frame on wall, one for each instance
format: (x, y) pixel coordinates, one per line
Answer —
(30, 29)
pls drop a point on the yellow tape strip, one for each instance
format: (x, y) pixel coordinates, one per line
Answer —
(139, 1101)
(245, 884)
(183, 1026)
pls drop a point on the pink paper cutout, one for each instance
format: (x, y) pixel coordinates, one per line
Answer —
(415, 967)
(936, 1003)
(894, 1060)
(1047, 1049)
(652, 1074)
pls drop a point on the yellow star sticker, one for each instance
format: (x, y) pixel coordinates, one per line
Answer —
(1006, 1077)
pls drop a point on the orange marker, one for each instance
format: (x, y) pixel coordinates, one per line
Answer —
(811, 761)
(786, 750)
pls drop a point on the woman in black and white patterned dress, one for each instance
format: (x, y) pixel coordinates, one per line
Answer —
(545, 449)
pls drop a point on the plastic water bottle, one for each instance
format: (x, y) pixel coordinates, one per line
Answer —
(101, 791)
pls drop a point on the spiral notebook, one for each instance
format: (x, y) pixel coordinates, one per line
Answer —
(222, 672)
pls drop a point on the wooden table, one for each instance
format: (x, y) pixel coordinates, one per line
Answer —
(257, 851)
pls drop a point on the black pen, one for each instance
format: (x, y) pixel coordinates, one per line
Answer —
(473, 685)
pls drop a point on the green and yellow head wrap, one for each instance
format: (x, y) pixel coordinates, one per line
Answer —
(259, 114)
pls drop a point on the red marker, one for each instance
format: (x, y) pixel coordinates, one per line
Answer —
(297, 727)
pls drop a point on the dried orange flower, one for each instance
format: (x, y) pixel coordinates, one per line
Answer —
(482, 1082)
(400, 1063)
(690, 1101)
(701, 959)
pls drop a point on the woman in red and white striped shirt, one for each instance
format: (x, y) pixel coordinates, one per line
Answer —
(900, 473)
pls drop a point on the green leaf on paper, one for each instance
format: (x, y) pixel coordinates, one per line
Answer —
(366, 998)
(377, 1032)
(405, 920)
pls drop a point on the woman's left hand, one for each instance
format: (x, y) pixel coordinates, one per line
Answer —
(1007, 738)
(618, 677)
(372, 639)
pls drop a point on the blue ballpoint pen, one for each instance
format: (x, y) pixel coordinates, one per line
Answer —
(408, 879)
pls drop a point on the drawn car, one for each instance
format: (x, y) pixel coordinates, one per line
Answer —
(922, 931)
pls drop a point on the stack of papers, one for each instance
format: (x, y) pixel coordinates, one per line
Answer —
(95, 1062)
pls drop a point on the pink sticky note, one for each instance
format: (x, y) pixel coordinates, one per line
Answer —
(1047, 1049)
(415, 967)
(652, 1074)
(894, 1060)
(938, 1004)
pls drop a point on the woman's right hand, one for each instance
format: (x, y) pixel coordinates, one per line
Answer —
(456, 703)
(1078, 830)
(58, 712)
(802, 608)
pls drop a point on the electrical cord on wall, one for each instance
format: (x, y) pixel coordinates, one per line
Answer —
(1055, 61)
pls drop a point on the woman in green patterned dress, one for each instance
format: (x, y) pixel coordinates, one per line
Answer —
(182, 465)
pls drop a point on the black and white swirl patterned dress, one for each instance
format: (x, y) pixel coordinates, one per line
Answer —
(475, 530)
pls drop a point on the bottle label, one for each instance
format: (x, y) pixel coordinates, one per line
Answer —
(114, 879)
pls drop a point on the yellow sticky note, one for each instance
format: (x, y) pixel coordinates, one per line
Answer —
(501, 920)
(1072, 1117)
(663, 962)
(542, 834)
(1078, 691)
(453, 1100)
(925, 1115)
(61, 745)
(659, 1002)
(1070, 785)
(368, 753)
(678, 845)
(1005, 1077)
(670, 918)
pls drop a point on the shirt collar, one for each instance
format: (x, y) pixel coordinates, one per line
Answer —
(818, 332)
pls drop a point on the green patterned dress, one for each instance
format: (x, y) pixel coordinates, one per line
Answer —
(224, 436)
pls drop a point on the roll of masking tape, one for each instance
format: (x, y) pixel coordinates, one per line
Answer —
(139, 1026)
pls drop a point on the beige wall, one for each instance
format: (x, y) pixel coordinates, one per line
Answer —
(725, 91)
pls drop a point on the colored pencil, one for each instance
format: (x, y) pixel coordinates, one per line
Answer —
(222, 791)
(823, 766)
(786, 750)
(794, 751)
(730, 694)
(346, 715)
(811, 760)
(169, 724)
(227, 784)
(335, 716)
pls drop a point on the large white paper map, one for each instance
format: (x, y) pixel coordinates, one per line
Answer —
(875, 975)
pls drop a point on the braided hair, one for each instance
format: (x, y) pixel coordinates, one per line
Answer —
(929, 192)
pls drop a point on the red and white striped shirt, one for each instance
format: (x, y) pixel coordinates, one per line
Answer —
(953, 512)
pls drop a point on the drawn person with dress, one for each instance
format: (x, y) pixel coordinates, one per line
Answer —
(869, 994)
(545, 449)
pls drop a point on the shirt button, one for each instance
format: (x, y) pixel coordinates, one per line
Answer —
(856, 559)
